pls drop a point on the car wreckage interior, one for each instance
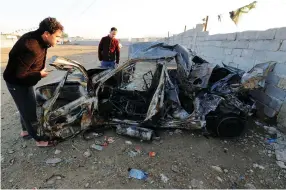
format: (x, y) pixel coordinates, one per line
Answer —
(160, 86)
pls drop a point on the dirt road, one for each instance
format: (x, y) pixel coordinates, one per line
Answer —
(183, 160)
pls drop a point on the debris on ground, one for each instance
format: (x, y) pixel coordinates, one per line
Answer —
(12, 161)
(178, 131)
(96, 147)
(175, 169)
(164, 178)
(58, 151)
(196, 184)
(217, 169)
(281, 164)
(225, 150)
(128, 142)
(278, 144)
(258, 123)
(242, 177)
(156, 138)
(132, 153)
(137, 174)
(89, 134)
(97, 142)
(30, 155)
(11, 151)
(271, 140)
(258, 166)
(138, 149)
(152, 154)
(249, 186)
(234, 186)
(110, 140)
(219, 179)
(87, 154)
(59, 177)
(53, 160)
(52, 179)
(136, 132)
(86, 185)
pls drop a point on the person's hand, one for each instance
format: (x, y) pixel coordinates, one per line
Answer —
(44, 73)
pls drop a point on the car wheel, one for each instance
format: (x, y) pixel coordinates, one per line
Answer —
(226, 126)
(230, 126)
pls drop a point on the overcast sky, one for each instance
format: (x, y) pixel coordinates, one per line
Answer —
(133, 18)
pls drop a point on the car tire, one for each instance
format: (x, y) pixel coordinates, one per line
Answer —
(230, 127)
(227, 126)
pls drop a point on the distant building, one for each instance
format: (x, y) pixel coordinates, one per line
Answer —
(8, 40)
(77, 38)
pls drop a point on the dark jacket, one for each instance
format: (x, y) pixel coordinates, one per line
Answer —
(108, 49)
(26, 59)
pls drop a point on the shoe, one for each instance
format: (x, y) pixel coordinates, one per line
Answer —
(45, 143)
(25, 135)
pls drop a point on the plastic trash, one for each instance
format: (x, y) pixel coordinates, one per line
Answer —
(53, 160)
(271, 140)
(128, 142)
(152, 154)
(137, 174)
(96, 147)
(138, 149)
(110, 140)
(132, 154)
(164, 178)
(137, 132)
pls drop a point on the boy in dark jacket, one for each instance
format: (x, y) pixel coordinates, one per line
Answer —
(109, 50)
(26, 66)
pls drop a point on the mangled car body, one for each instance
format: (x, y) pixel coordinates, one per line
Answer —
(160, 86)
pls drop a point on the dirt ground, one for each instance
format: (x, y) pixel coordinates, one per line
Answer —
(183, 160)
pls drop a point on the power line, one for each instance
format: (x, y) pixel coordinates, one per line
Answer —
(69, 10)
(87, 7)
(72, 6)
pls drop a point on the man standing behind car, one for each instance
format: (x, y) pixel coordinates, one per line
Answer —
(26, 66)
(109, 50)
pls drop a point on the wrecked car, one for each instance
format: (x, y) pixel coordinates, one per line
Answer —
(158, 87)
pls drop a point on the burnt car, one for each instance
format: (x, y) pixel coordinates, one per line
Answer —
(159, 86)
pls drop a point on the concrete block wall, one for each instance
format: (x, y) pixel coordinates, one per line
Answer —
(243, 50)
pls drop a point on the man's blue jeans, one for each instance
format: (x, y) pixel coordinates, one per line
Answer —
(108, 64)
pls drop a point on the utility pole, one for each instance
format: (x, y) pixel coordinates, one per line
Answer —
(185, 28)
(168, 34)
(206, 23)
